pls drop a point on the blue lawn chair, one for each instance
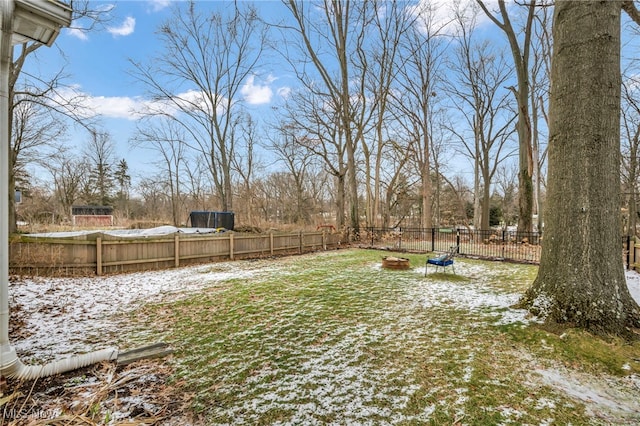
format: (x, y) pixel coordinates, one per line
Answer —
(443, 260)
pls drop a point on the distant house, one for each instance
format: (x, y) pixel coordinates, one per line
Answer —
(94, 216)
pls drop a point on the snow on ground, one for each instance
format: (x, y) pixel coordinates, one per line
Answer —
(473, 296)
(604, 393)
(66, 316)
(69, 315)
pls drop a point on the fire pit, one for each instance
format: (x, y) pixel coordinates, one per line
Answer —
(392, 262)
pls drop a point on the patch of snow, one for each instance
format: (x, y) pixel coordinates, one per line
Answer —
(543, 403)
(601, 395)
(65, 316)
(473, 295)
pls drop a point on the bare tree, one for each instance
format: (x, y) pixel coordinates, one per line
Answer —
(520, 52)
(100, 154)
(246, 164)
(296, 159)
(415, 99)
(507, 189)
(329, 34)
(581, 279)
(397, 183)
(539, 76)
(153, 190)
(196, 80)
(36, 135)
(167, 139)
(67, 173)
(316, 124)
(478, 93)
(380, 57)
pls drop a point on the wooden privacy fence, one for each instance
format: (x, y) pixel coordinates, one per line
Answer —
(102, 254)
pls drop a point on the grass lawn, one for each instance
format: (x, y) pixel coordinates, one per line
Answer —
(332, 338)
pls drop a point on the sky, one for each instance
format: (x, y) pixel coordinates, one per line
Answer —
(97, 64)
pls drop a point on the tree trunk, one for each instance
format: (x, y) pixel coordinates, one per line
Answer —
(525, 150)
(427, 190)
(486, 201)
(581, 278)
(340, 202)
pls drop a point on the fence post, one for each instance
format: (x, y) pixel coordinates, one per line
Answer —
(324, 242)
(433, 239)
(99, 256)
(271, 242)
(176, 251)
(400, 240)
(300, 236)
(629, 251)
(231, 245)
(458, 240)
(372, 236)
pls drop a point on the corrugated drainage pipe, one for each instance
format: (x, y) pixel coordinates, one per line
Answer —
(13, 368)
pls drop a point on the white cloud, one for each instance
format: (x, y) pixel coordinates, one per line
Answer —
(437, 16)
(78, 33)
(284, 92)
(195, 100)
(257, 94)
(133, 108)
(116, 106)
(158, 5)
(127, 27)
(129, 108)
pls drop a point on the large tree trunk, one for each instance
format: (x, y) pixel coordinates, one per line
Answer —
(581, 278)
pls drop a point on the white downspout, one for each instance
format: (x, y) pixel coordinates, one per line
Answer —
(10, 365)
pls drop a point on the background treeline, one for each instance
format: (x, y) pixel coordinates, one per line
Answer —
(403, 114)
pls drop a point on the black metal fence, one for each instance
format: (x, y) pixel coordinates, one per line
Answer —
(487, 244)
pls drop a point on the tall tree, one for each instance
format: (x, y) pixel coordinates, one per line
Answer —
(380, 62)
(35, 137)
(539, 76)
(581, 278)
(477, 88)
(167, 139)
(123, 180)
(197, 79)
(317, 128)
(296, 159)
(67, 172)
(329, 35)
(246, 164)
(100, 153)
(419, 74)
(520, 51)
